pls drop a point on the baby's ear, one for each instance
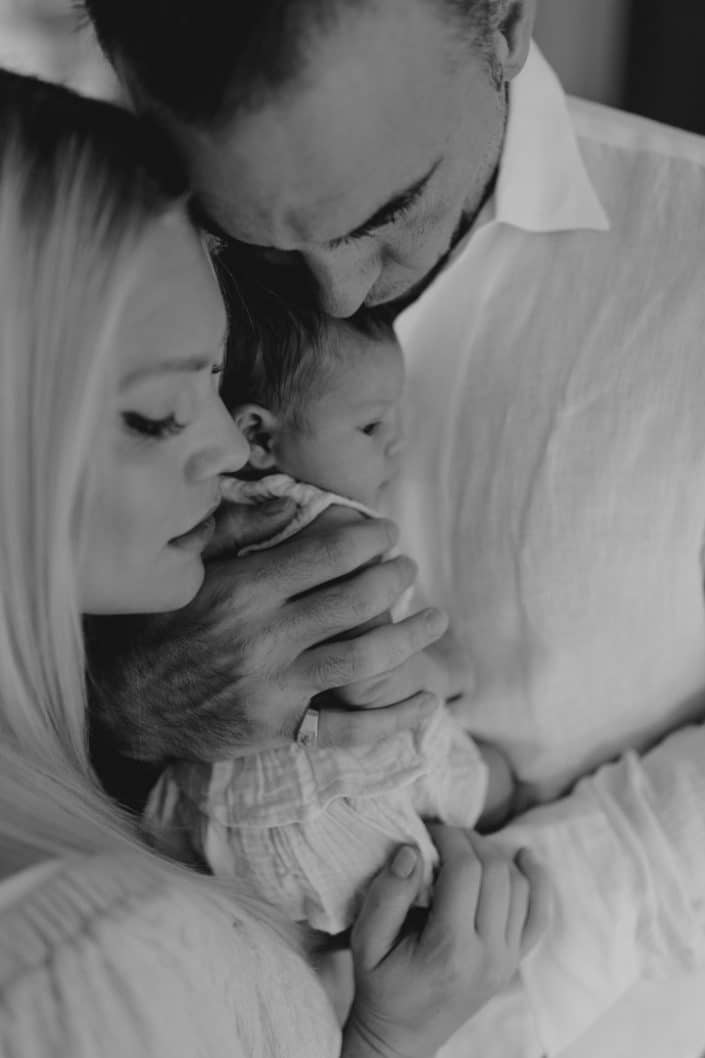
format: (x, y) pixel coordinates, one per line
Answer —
(260, 428)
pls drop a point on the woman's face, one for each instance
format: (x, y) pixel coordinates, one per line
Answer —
(164, 438)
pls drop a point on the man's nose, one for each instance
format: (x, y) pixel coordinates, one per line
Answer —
(344, 277)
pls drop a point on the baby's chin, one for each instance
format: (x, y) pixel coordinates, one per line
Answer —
(376, 496)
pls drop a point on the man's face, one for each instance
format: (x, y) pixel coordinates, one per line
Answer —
(365, 168)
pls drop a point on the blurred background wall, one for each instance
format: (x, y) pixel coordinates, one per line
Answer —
(586, 41)
(646, 56)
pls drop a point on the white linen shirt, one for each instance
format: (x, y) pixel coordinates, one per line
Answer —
(554, 498)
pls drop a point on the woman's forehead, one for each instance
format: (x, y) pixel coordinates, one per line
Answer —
(174, 310)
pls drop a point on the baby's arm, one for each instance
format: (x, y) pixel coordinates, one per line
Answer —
(467, 783)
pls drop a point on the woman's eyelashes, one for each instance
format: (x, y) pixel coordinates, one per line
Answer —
(371, 429)
(155, 429)
(158, 429)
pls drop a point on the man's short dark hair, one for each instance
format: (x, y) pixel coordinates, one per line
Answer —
(203, 60)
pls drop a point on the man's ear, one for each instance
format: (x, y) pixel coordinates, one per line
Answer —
(260, 428)
(513, 35)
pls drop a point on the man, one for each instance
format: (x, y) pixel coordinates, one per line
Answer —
(556, 437)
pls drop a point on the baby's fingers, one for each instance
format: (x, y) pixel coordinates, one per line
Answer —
(387, 903)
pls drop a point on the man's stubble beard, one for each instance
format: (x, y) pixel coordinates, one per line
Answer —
(389, 310)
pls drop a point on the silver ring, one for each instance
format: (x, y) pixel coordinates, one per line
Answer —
(307, 734)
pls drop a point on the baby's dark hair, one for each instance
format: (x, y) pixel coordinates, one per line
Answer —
(282, 354)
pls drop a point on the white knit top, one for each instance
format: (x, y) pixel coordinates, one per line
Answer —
(101, 959)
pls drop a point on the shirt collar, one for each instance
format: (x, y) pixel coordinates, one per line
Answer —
(543, 185)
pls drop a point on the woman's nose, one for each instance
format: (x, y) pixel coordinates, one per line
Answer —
(224, 450)
(344, 277)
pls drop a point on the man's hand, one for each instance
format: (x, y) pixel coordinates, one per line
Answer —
(418, 673)
(418, 978)
(243, 660)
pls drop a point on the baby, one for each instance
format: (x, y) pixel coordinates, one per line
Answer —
(309, 826)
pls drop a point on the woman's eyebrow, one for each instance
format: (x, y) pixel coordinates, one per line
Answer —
(392, 206)
(172, 365)
(160, 367)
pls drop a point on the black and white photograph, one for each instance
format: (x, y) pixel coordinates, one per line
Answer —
(352, 529)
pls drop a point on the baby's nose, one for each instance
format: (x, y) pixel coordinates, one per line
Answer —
(395, 444)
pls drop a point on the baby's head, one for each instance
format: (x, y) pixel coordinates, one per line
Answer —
(317, 398)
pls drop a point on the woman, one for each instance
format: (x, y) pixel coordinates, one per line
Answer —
(113, 442)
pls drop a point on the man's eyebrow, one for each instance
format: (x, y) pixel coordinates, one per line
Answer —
(399, 201)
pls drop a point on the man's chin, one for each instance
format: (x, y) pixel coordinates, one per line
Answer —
(389, 306)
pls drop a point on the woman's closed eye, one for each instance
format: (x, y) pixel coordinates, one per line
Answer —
(156, 429)
(371, 429)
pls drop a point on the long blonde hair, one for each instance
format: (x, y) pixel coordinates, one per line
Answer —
(80, 185)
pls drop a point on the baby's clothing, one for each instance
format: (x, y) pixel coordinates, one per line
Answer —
(310, 502)
(310, 826)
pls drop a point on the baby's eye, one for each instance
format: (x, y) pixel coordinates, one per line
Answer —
(371, 429)
(217, 371)
(157, 429)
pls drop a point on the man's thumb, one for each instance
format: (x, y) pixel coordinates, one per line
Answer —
(240, 525)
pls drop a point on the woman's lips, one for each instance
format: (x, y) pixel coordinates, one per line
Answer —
(198, 537)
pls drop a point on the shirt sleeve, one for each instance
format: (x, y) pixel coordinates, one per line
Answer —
(110, 958)
(99, 961)
(625, 853)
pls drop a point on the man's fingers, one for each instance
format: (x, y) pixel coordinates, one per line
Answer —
(372, 653)
(339, 608)
(387, 902)
(365, 727)
(398, 685)
(540, 909)
(308, 561)
(457, 886)
(239, 525)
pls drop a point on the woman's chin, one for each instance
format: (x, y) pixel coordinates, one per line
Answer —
(163, 590)
(179, 590)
